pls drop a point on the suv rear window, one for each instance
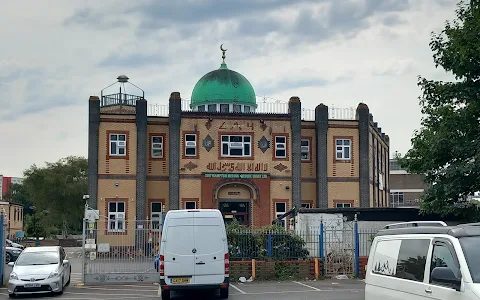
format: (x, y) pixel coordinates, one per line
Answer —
(470, 249)
(404, 259)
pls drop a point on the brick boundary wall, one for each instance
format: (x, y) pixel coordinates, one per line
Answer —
(266, 270)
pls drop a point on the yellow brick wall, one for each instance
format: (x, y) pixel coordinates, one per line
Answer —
(13, 221)
(343, 191)
(191, 188)
(309, 192)
(342, 169)
(278, 191)
(158, 190)
(158, 167)
(117, 165)
(309, 168)
(229, 126)
(125, 191)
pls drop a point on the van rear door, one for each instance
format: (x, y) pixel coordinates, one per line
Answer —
(210, 245)
(179, 258)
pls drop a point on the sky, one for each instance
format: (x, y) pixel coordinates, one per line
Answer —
(336, 52)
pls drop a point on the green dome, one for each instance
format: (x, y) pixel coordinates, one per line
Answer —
(223, 86)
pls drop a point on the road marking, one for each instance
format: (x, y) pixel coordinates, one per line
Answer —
(306, 285)
(239, 290)
(159, 292)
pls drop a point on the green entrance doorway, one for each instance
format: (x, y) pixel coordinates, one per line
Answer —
(235, 209)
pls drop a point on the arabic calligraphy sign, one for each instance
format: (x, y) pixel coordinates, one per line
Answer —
(236, 175)
(237, 166)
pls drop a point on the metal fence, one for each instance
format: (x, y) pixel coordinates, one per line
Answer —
(120, 251)
(339, 249)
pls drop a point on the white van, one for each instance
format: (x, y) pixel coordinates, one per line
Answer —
(441, 262)
(194, 252)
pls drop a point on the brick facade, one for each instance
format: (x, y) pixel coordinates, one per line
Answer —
(253, 183)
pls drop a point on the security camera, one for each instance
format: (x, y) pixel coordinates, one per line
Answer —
(85, 197)
(116, 183)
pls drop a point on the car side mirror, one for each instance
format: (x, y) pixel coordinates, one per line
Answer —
(65, 261)
(446, 276)
(10, 264)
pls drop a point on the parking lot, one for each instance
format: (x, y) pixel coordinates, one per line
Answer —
(291, 290)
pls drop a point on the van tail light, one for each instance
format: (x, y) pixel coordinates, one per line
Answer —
(162, 265)
(227, 264)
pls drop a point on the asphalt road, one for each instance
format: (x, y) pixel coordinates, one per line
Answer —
(290, 290)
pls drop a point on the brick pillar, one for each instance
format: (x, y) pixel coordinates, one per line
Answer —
(175, 120)
(321, 133)
(93, 127)
(295, 111)
(362, 115)
(141, 193)
(387, 172)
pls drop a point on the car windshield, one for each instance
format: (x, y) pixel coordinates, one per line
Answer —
(38, 258)
(470, 249)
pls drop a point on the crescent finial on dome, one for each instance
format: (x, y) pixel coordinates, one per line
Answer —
(223, 53)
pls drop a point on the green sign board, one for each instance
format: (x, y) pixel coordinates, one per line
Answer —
(236, 175)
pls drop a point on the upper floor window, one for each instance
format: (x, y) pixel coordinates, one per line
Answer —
(246, 108)
(280, 146)
(118, 144)
(201, 108)
(157, 146)
(343, 149)
(190, 144)
(237, 108)
(396, 199)
(236, 145)
(305, 149)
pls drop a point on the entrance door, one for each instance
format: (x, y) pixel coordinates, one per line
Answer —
(239, 210)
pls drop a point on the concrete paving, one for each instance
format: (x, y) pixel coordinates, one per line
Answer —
(289, 290)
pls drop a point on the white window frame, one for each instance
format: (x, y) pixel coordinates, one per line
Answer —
(189, 201)
(281, 146)
(341, 148)
(157, 146)
(191, 144)
(119, 217)
(306, 205)
(155, 216)
(279, 213)
(397, 195)
(343, 205)
(236, 145)
(305, 149)
(119, 144)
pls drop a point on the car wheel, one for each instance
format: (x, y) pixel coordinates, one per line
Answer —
(8, 258)
(166, 295)
(12, 295)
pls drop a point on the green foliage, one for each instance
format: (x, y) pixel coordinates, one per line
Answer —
(246, 243)
(18, 194)
(57, 192)
(286, 271)
(445, 149)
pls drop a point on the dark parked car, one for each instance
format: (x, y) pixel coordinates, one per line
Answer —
(11, 254)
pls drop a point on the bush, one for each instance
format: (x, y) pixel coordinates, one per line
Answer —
(247, 243)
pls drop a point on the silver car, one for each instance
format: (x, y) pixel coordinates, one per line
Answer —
(39, 270)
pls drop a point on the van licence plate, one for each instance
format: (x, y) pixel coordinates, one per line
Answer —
(32, 285)
(180, 280)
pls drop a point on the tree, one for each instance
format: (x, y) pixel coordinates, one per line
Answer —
(18, 193)
(57, 192)
(446, 148)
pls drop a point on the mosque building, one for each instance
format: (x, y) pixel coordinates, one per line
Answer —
(227, 149)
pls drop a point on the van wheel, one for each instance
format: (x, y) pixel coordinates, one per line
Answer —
(166, 295)
(224, 293)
